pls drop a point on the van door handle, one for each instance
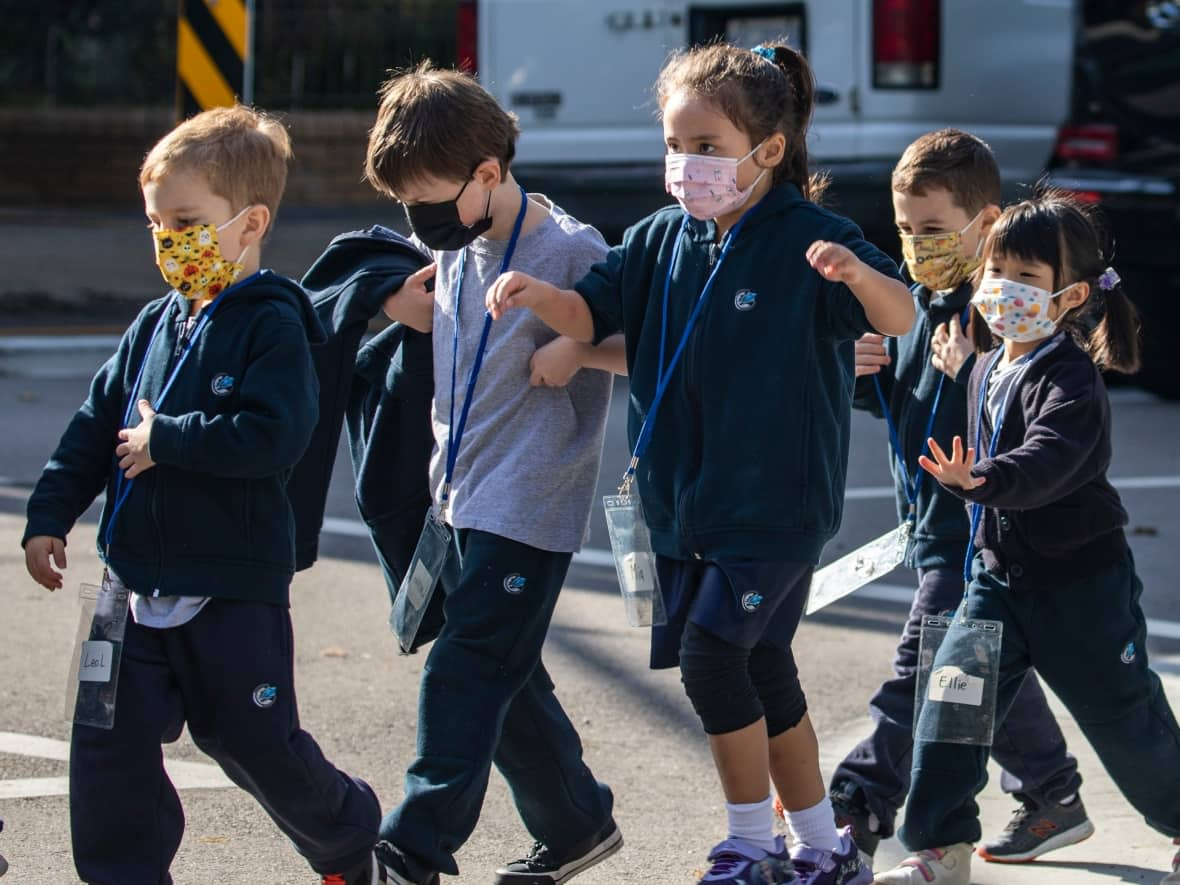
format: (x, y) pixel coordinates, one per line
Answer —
(826, 95)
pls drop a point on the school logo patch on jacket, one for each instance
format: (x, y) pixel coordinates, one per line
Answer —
(751, 601)
(265, 695)
(222, 384)
(745, 299)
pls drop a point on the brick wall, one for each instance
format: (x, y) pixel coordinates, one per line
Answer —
(71, 157)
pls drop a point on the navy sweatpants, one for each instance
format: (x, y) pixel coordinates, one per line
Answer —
(228, 674)
(1028, 743)
(486, 698)
(1088, 642)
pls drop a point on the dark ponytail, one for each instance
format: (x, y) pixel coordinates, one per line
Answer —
(797, 120)
(1114, 343)
(762, 91)
(1056, 229)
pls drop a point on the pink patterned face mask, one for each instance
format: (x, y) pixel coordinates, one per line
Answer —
(706, 186)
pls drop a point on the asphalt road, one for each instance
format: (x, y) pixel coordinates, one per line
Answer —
(357, 695)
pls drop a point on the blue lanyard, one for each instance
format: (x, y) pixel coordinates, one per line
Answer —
(122, 485)
(977, 508)
(665, 372)
(911, 484)
(455, 434)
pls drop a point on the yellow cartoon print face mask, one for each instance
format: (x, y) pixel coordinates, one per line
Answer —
(936, 260)
(191, 262)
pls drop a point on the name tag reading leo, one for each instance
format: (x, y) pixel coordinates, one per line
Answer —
(951, 685)
(95, 662)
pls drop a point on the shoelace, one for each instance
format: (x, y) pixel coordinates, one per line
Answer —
(537, 857)
(1019, 816)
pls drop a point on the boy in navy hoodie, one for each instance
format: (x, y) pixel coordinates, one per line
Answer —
(191, 427)
(946, 191)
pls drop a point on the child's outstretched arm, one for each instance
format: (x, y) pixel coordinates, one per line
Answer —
(1056, 457)
(563, 310)
(887, 302)
(555, 364)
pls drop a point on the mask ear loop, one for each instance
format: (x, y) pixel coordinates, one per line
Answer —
(245, 248)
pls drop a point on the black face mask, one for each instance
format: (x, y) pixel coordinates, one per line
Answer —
(438, 226)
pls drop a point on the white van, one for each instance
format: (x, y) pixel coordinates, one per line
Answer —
(579, 73)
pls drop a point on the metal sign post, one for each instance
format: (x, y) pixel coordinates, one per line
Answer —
(214, 54)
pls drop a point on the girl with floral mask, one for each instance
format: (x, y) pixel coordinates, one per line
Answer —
(741, 305)
(1049, 557)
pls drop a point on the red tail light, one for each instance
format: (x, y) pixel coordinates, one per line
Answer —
(467, 36)
(1087, 142)
(907, 43)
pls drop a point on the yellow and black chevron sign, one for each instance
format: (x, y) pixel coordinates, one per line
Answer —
(212, 55)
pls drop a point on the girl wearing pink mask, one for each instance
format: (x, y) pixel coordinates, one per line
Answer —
(738, 309)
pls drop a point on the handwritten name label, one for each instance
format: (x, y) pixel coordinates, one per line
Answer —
(94, 665)
(951, 685)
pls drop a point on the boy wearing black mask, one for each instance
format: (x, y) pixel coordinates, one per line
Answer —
(513, 474)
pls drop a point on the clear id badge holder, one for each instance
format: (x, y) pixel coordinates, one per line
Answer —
(862, 566)
(94, 675)
(421, 581)
(958, 676)
(635, 562)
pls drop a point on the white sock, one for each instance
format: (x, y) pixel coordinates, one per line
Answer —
(815, 827)
(753, 822)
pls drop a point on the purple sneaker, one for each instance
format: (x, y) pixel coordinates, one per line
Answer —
(736, 862)
(840, 867)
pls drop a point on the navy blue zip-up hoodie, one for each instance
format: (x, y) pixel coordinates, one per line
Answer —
(909, 384)
(750, 450)
(1050, 514)
(211, 518)
(382, 389)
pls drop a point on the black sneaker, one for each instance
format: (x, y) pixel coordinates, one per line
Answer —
(848, 803)
(1035, 830)
(396, 868)
(371, 872)
(544, 867)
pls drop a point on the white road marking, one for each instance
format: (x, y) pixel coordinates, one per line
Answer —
(184, 775)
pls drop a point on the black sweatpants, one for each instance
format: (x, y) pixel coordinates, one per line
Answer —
(228, 674)
(486, 699)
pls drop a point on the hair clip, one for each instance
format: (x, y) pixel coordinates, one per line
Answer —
(765, 51)
(1109, 279)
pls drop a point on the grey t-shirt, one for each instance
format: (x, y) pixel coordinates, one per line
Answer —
(528, 464)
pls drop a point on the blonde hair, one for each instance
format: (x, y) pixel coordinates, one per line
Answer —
(242, 154)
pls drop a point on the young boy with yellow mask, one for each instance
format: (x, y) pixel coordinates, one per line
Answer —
(946, 191)
(192, 428)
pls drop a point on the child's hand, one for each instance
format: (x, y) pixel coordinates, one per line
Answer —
(514, 289)
(871, 355)
(555, 364)
(954, 471)
(134, 454)
(835, 263)
(949, 347)
(39, 549)
(413, 304)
